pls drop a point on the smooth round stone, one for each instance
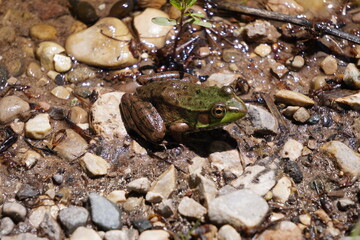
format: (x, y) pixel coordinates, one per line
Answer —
(46, 52)
(78, 115)
(151, 34)
(105, 44)
(62, 63)
(33, 70)
(11, 107)
(43, 32)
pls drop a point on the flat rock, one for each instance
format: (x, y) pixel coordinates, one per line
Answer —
(83, 233)
(284, 230)
(72, 146)
(11, 107)
(105, 44)
(163, 187)
(207, 189)
(345, 157)
(73, 217)
(291, 149)
(188, 207)
(228, 160)
(94, 165)
(263, 122)
(240, 209)
(352, 101)
(154, 235)
(141, 185)
(293, 98)
(351, 76)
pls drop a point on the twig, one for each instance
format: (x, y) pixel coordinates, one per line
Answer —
(297, 20)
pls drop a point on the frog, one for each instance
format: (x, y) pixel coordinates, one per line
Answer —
(177, 107)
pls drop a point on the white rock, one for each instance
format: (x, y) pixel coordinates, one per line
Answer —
(117, 196)
(166, 208)
(16, 211)
(188, 207)
(291, 149)
(242, 208)
(227, 232)
(151, 34)
(284, 230)
(62, 63)
(329, 65)
(301, 115)
(124, 234)
(207, 189)
(351, 76)
(228, 160)
(11, 107)
(38, 127)
(163, 187)
(94, 165)
(305, 219)
(197, 165)
(282, 190)
(61, 92)
(352, 100)
(221, 79)
(46, 52)
(141, 185)
(83, 233)
(105, 44)
(262, 50)
(256, 178)
(293, 98)
(133, 203)
(106, 117)
(154, 235)
(262, 120)
(72, 146)
(347, 159)
(30, 158)
(137, 148)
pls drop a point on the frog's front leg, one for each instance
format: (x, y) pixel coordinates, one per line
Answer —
(178, 129)
(143, 118)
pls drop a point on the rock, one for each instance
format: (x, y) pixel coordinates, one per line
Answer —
(27, 191)
(37, 215)
(23, 236)
(104, 214)
(227, 232)
(188, 207)
(78, 115)
(46, 52)
(31, 158)
(6, 226)
(227, 161)
(151, 34)
(163, 187)
(305, 219)
(43, 32)
(14, 210)
(137, 148)
(73, 217)
(83, 233)
(288, 7)
(344, 204)
(105, 44)
(7, 34)
(154, 235)
(72, 146)
(166, 208)
(50, 228)
(94, 165)
(351, 76)
(62, 63)
(80, 74)
(262, 121)
(117, 196)
(133, 203)
(318, 82)
(284, 230)
(11, 107)
(256, 178)
(226, 190)
(262, 31)
(262, 50)
(241, 209)
(221, 79)
(293, 98)
(352, 101)
(296, 62)
(291, 149)
(124, 234)
(347, 159)
(198, 164)
(329, 65)
(38, 127)
(207, 189)
(61, 92)
(140, 185)
(282, 190)
(294, 171)
(58, 178)
(278, 69)
(231, 55)
(106, 118)
(301, 115)
(141, 224)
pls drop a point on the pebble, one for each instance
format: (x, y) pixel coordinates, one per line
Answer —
(140, 185)
(352, 101)
(141, 224)
(94, 165)
(62, 63)
(43, 32)
(104, 214)
(137, 148)
(227, 161)
(344, 204)
(27, 191)
(282, 190)
(293, 170)
(23, 236)
(78, 115)
(296, 62)
(293, 98)
(72, 146)
(274, 217)
(329, 65)
(221, 79)
(151, 34)
(163, 187)
(133, 203)
(80, 74)
(73, 217)
(227, 232)
(37, 215)
(351, 76)
(105, 44)
(83, 233)
(166, 208)
(15, 211)
(4, 75)
(154, 235)
(345, 157)
(124, 234)
(188, 207)
(207, 189)
(291, 149)
(278, 69)
(38, 127)
(46, 52)
(262, 50)
(12, 107)
(283, 231)
(106, 118)
(301, 115)
(305, 219)
(50, 228)
(7, 34)
(31, 158)
(117, 196)
(288, 7)
(6, 226)
(263, 122)
(231, 55)
(318, 82)
(242, 208)
(262, 31)
(61, 92)
(257, 179)
(197, 164)
(34, 70)
(289, 111)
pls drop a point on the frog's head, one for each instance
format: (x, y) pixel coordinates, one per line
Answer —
(230, 109)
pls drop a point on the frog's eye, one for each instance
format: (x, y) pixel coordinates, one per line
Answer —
(218, 110)
(228, 90)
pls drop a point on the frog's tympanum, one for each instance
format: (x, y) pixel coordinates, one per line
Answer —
(176, 107)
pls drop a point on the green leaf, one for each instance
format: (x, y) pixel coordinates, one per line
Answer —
(163, 21)
(190, 3)
(177, 4)
(200, 15)
(201, 23)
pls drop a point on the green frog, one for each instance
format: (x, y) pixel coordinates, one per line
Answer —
(176, 107)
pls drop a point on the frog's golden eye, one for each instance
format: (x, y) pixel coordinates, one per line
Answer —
(228, 90)
(218, 110)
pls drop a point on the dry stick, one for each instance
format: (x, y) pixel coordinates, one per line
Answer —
(297, 20)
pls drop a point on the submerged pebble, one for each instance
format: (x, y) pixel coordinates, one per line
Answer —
(352, 76)
(43, 32)
(46, 52)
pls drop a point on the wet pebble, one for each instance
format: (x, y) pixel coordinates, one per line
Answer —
(231, 55)
(188, 207)
(296, 62)
(80, 74)
(83, 233)
(282, 190)
(6, 226)
(233, 209)
(352, 101)
(62, 63)
(43, 32)
(329, 65)
(263, 121)
(351, 76)
(94, 165)
(293, 98)
(104, 214)
(294, 171)
(73, 217)
(283, 230)
(301, 115)
(227, 232)
(318, 82)
(221, 79)
(151, 3)
(72, 146)
(11, 107)
(50, 228)
(15, 211)
(46, 52)
(140, 185)
(31, 158)
(291, 149)
(227, 161)
(38, 127)
(154, 235)
(121, 8)
(278, 69)
(61, 92)
(34, 70)
(163, 186)
(83, 11)
(262, 31)
(262, 50)
(78, 115)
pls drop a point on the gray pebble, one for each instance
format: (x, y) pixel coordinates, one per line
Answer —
(50, 228)
(27, 191)
(6, 226)
(15, 211)
(73, 217)
(58, 178)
